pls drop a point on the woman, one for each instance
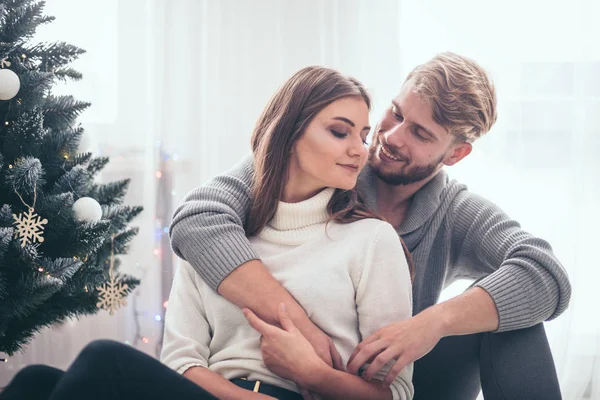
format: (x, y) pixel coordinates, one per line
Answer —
(344, 266)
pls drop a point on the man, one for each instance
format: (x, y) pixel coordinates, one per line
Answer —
(490, 336)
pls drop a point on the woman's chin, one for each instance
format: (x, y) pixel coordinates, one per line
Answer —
(345, 185)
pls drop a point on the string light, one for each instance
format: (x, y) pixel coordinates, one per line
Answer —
(41, 269)
(4, 360)
(6, 123)
(159, 230)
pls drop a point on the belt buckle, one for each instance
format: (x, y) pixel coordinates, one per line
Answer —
(256, 385)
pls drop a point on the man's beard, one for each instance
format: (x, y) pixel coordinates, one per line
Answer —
(406, 175)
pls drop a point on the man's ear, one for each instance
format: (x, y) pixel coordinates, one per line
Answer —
(459, 151)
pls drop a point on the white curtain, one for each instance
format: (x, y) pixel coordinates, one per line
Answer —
(177, 85)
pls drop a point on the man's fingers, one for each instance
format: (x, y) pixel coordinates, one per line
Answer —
(336, 358)
(373, 338)
(284, 319)
(395, 370)
(258, 324)
(379, 362)
(362, 354)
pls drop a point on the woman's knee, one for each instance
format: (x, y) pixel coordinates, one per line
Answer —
(102, 348)
(38, 373)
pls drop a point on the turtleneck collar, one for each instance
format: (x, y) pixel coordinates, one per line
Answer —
(297, 223)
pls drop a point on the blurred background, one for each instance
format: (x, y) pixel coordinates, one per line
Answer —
(176, 87)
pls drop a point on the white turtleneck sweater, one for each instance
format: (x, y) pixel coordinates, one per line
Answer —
(351, 279)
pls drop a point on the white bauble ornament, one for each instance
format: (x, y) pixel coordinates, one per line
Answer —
(9, 84)
(87, 209)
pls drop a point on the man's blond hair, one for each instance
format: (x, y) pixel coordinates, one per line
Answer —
(460, 92)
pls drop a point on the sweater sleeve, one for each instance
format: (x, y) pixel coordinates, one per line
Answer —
(524, 278)
(384, 296)
(208, 228)
(187, 332)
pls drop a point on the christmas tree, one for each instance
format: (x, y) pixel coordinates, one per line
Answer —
(59, 230)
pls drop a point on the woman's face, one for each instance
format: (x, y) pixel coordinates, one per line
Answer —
(331, 151)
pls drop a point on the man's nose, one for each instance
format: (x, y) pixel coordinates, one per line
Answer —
(396, 135)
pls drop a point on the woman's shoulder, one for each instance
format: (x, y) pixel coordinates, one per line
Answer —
(368, 229)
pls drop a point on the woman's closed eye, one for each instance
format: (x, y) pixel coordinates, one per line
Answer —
(342, 135)
(338, 134)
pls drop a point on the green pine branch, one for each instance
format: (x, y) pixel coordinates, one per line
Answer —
(120, 215)
(63, 73)
(76, 181)
(110, 193)
(80, 159)
(97, 164)
(22, 22)
(52, 56)
(60, 112)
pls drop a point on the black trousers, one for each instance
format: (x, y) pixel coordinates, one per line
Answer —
(514, 365)
(104, 370)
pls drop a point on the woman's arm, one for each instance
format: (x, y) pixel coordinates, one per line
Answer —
(208, 231)
(288, 354)
(187, 335)
(221, 387)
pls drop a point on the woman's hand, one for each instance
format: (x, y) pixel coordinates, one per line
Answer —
(285, 351)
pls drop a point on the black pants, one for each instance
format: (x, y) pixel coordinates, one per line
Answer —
(514, 365)
(104, 370)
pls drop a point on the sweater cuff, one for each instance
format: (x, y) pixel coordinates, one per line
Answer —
(515, 294)
(181, 370)
(215, 262)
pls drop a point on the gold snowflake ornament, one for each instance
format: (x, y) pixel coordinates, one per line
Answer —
(112, 295)
(30, 227)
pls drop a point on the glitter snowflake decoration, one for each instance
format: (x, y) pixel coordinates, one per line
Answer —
(112, 295)
(30, 227)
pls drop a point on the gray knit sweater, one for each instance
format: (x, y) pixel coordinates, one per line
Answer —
(451, 233)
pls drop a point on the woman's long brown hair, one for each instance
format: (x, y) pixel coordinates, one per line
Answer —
(282, 122)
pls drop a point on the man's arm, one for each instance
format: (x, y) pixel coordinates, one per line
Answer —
(525, 280)
(525, 285)
(208, 231)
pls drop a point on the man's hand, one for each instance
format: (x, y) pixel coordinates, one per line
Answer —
(285, 351)
(405, 341)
